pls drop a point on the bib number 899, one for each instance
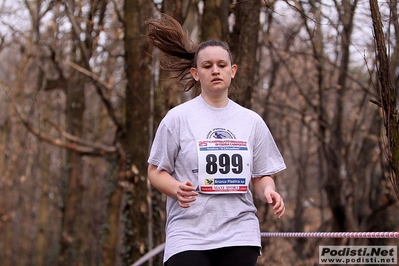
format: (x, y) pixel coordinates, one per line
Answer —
(224, 164)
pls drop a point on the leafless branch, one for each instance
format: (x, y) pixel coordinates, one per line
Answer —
(75, 144)
(80, 141)
(118, 13)
(78, 30)
(99, 84)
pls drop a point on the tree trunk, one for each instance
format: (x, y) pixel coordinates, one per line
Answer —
(136, 138)
(244, 43)
(334, 184)
(214, 24)
(43, 205)
(112, 228)
(5, 202)
(73, 190)
(388, 94)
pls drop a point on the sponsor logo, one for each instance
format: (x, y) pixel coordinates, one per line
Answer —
(220, 133)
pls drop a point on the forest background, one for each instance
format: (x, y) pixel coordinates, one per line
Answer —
(81, 95)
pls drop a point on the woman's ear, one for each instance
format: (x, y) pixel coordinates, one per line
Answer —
(233, 70)
(194, 73)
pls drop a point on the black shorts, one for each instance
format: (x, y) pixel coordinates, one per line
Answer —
(228, 256)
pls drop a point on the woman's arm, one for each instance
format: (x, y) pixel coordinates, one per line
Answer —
(265, 190)
(184, 192)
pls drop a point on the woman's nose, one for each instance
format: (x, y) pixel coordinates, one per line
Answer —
(215, 70)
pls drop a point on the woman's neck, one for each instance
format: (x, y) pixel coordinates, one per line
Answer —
(219, 101)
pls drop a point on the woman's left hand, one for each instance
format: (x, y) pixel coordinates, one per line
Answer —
(275, 199)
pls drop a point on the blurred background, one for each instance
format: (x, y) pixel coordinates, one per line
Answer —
(81, 95)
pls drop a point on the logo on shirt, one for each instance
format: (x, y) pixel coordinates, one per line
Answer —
(220, 133)
(209, 181)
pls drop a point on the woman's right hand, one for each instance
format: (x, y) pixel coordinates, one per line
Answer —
(186, 194)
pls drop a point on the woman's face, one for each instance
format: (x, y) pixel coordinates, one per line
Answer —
(214, 70)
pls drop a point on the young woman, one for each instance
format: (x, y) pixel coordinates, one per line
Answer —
(205, 154)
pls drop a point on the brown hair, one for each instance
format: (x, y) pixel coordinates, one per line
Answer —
(179, 53)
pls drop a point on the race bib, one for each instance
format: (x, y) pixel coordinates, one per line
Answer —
(223, 166)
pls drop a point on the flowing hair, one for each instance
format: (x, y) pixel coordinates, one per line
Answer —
(179, 53)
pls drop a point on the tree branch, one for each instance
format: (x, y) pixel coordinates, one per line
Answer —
(75, 144)
(100, 84)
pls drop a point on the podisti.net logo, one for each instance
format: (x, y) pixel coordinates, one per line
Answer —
(358, 255)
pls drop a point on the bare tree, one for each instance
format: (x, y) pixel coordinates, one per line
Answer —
(388, 84)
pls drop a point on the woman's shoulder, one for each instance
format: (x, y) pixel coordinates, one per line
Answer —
(184, 107)
(180, 111)
(246, 111)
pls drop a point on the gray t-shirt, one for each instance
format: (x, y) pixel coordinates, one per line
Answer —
(213, 220)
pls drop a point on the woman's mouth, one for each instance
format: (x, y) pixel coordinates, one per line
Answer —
(216, 80)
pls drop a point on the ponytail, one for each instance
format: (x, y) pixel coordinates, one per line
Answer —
(178, 50)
